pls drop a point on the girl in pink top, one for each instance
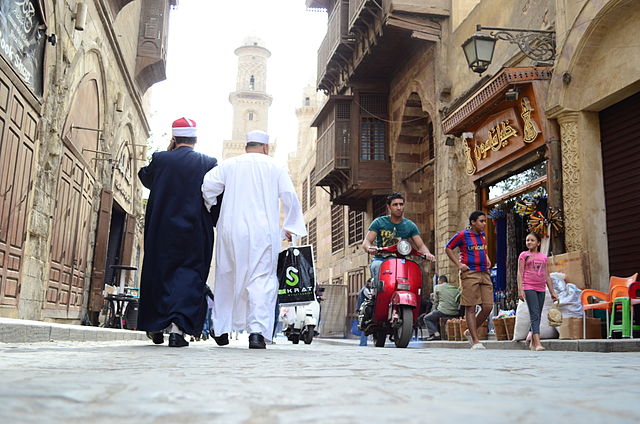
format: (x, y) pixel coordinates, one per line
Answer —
(532, 278)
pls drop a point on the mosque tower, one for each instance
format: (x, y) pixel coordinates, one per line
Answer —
(250, 101)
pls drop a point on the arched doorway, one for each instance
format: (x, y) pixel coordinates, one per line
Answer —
(414, 161)
(71, 241)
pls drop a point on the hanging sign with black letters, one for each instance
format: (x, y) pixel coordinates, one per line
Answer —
(22, 40)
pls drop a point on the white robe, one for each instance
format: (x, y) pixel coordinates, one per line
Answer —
(248, 239)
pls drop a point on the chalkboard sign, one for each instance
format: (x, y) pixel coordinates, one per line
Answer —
(22, 40)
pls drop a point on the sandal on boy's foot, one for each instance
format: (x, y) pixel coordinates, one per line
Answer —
(478, 346)
(467, 334)
(539, 348)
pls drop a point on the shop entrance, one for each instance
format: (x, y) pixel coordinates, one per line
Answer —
(511, 202)
(114, 247)
(619, 127)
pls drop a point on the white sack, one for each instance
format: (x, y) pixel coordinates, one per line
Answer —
(523, 321)
(568, 296)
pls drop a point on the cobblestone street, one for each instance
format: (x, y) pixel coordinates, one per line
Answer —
(134, 381)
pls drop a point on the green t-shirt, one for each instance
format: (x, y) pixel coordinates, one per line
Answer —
(388, 233)
(446, 299)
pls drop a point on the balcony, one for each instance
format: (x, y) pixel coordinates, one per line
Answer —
(367, 40)
(352, 170)
(336, 44)
(333, 153)
(355, 11)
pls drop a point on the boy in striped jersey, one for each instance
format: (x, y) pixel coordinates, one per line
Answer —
(475, 281)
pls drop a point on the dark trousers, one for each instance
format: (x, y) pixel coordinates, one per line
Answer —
(535, 302)
(432, 319)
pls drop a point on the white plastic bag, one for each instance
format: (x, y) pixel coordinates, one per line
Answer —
(568, 296)
(523, 321)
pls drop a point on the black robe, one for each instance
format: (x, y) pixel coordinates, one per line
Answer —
(178, 242)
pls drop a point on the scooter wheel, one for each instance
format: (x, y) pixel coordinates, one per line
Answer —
(295, 338)
(308, 336)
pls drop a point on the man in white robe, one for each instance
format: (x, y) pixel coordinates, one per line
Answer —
(249, 238)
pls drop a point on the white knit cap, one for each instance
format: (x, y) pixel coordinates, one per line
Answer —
(257, 136)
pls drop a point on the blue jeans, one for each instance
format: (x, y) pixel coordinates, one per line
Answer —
(374, 267)
(207, 322)
(363, 339)
(535, 302)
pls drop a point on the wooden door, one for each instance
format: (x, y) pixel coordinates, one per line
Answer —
(96, 298)
(70, 238)
(18, 122)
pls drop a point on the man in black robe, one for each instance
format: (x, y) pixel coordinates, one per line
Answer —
(178, 240)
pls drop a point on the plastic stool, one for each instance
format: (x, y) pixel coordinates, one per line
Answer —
(621, 317)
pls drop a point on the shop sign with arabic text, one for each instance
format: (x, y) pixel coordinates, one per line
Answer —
(22, 40)
(500, 136)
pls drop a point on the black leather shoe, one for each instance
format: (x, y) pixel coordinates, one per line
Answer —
(177, 340)
(256, 341)
(222, 340)
(432, 338)
(156, 336)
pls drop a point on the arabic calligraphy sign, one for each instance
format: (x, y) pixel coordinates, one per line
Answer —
(500, 137)
(22, 40)
(497, 139)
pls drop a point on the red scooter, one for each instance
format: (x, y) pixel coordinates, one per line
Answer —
(395, 305)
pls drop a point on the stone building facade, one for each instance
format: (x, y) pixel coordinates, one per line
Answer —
(73, 131)
(334, 231)
(397, 66)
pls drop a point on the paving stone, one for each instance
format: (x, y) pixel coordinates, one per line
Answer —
(136, 382)
(38, 333)
(13, 333)
(59, 333)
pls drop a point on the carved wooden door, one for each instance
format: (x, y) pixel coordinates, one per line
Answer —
(96, 299)
(70, 238)
(18, 122)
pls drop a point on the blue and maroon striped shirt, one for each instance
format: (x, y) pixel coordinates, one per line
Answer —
(472, 248)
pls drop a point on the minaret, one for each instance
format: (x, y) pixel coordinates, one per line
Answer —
(250, 101)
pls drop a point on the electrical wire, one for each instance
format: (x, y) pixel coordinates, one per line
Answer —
(387, 120)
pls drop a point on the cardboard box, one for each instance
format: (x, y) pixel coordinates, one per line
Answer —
(571, 328)
(573, 265)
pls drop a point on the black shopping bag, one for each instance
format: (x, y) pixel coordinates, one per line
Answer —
(296, 276)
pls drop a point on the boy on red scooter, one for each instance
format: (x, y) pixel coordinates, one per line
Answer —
(390, 229)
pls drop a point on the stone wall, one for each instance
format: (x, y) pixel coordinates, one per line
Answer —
(106, 52)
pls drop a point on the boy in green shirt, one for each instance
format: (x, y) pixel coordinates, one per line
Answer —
(446, 298)
(388, 230)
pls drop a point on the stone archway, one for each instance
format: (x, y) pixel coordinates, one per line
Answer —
(81, 159)
(413, 167)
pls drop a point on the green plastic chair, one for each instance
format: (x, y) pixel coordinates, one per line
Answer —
(621, 317)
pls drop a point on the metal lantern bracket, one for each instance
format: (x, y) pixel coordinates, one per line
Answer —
(536, 44)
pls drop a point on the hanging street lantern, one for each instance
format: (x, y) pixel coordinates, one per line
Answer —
(478, 50)
(537, 44)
